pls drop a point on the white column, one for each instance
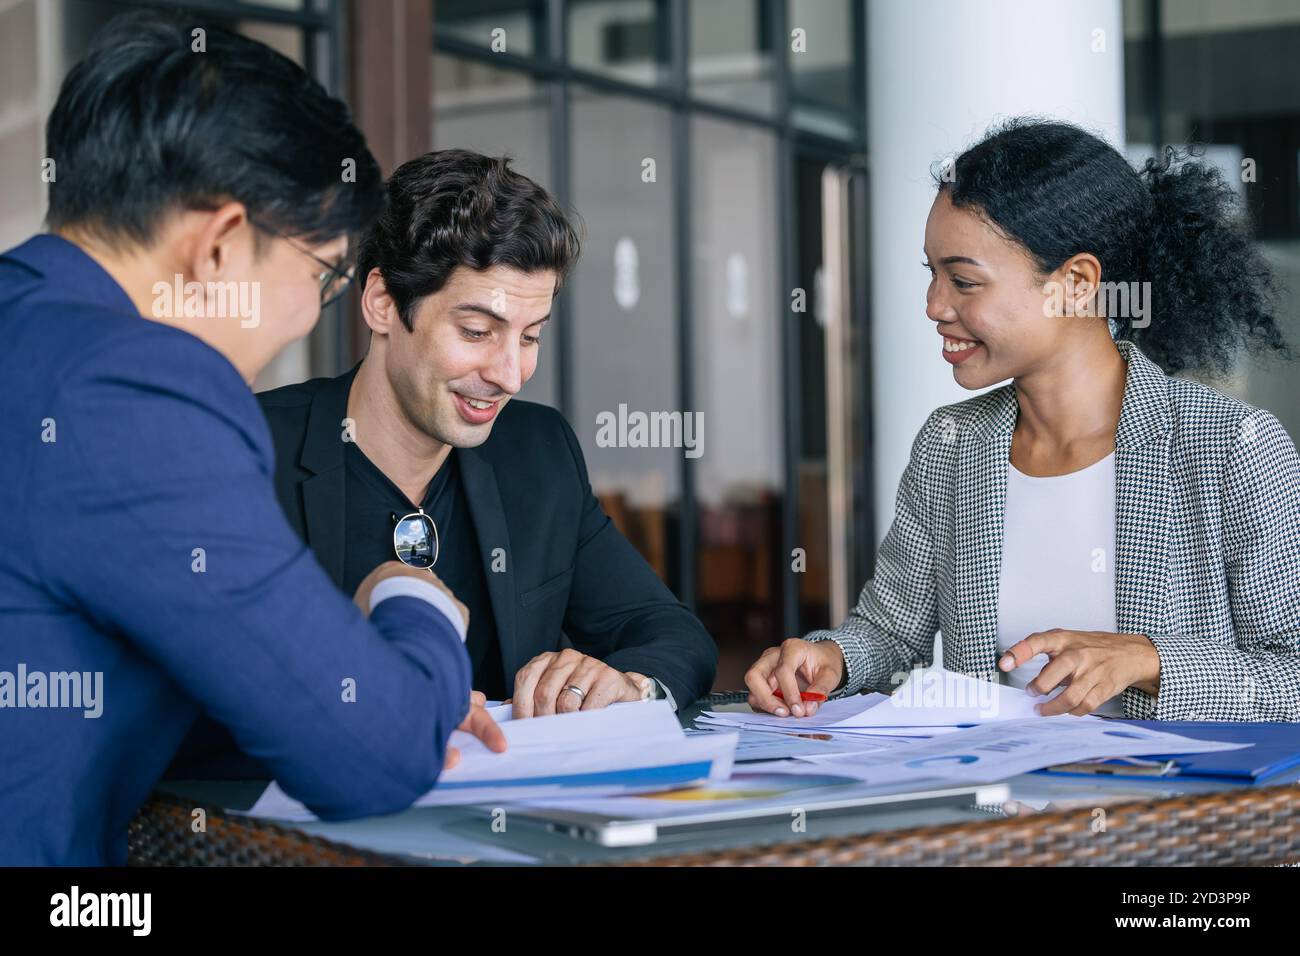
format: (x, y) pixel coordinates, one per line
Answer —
(939, 72)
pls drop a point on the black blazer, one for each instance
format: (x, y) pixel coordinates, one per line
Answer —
(568, 570)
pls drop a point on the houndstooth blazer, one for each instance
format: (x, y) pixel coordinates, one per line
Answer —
(1207, 550)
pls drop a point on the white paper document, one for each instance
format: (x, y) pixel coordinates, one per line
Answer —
(930, 702)
(751, 787)
(972, 757)
(780, 744)
(625, 748)
(1004, 749)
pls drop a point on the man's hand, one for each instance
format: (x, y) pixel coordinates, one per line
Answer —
(1094, 666)
(795, 666)
(542, 685)
(392, 569)
(479, 723)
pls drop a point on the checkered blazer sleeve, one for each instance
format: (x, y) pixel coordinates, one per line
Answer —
(892, 628)
(1258, 679)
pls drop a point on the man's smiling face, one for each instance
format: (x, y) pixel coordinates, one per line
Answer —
(475, 343)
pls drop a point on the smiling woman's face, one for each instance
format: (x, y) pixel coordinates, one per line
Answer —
(984, 288)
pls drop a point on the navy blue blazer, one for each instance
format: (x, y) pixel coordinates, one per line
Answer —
(143, 550)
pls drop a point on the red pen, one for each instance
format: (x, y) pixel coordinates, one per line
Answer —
(803, 695)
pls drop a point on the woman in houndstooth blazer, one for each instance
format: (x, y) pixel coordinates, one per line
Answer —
(1026, 243)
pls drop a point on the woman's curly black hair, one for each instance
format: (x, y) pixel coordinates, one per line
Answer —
(1059, 190)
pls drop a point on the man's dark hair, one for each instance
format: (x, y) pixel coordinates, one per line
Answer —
(145, 126)
(455, 208)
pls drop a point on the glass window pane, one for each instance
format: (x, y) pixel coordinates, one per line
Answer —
(281, 37)
(624, 311)
(737, 381)
(731, 53)
(23, 109)
(503, 26)
(280, 4)
(1227, 81)
(1138, 128)
(499, 113)
(626, 39)
(824, 57)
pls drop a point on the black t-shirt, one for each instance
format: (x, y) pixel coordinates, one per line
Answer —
(373, 505)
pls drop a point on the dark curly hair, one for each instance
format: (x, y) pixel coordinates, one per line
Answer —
(455, 208)
(1059, 190)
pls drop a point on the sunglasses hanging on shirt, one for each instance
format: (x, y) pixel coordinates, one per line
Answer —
(415, 539)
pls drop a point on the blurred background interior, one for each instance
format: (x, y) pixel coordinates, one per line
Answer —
(762, 151)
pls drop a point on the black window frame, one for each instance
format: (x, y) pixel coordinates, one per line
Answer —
(550, 67)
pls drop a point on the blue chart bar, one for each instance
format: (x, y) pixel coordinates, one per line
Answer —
(672, 773)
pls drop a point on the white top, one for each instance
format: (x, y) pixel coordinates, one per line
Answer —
(1058, 560)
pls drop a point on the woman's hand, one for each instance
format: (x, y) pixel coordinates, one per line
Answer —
(1094, 666)
(796, 665)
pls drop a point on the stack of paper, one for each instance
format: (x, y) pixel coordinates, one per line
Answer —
(938, 730)
(931, 702)
(943, 728)
(754, 745)
(967, 758)
(626, 748)
(996, 751)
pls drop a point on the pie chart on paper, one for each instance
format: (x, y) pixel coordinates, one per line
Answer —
(944, 759)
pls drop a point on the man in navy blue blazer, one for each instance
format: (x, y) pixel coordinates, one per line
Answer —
(201, 212)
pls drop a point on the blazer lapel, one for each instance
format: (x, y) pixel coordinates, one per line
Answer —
(982, 475)
(323, 493)
(1142, 521)
(1142, 493)
(484, 497)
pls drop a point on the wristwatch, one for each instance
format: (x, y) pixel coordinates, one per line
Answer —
(649, 686)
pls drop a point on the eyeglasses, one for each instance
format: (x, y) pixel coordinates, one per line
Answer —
(415, 540)
(333, 280)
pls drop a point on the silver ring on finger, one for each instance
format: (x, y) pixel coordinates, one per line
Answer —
(575, 689)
